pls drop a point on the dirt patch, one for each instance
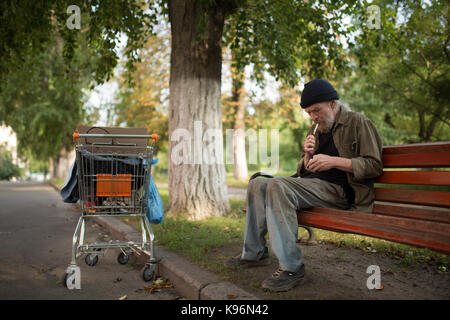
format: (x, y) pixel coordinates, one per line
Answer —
(334, 272)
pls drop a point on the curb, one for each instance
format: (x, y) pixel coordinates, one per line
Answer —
(190, 280)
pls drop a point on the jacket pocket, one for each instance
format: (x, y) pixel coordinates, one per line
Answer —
(349, 150)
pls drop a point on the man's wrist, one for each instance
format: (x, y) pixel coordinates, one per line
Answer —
(343, 164)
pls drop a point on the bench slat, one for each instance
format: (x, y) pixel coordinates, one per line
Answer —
(433, 198)
(436, 154)
(416, 161)
(433, 235)
(440, 178)
(412, 211)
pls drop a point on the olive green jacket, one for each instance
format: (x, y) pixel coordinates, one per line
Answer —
(356, 138)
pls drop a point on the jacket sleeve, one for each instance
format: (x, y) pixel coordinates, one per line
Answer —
(368, 163)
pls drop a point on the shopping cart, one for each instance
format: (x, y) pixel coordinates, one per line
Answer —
(112, 176)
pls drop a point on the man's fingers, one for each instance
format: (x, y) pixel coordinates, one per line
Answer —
(309, 144)
(314, 163)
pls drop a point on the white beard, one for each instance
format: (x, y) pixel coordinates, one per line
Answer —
(326, 124)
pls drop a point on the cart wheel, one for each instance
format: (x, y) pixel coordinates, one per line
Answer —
(123, 258)
(149, 272)
(91, 260)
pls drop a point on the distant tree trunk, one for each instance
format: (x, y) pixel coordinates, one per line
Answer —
(240, 162)
(195, 187)
(60, 165)
(54, 167)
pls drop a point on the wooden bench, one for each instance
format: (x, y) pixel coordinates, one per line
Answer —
(419, 216)
(408, 209)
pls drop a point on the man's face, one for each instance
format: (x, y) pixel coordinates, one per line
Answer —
(322, 113)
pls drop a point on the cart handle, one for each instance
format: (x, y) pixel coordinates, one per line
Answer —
(77, 135)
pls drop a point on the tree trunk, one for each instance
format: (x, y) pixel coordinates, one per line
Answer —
(54, 162)
(197, 185)
(240, 162)
(60, 165)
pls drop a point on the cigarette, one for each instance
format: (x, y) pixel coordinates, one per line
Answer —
(314, 132)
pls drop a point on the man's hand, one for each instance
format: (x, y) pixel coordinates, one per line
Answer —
(308, 147)
(323, 162)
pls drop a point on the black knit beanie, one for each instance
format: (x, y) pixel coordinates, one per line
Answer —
(317, 90)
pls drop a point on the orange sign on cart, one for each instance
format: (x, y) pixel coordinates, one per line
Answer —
(113, 186)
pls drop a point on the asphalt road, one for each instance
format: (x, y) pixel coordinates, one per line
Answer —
(36, 230)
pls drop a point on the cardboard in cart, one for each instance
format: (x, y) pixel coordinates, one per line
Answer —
(106, 145)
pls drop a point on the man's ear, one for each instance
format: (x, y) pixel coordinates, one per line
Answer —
(332, 104)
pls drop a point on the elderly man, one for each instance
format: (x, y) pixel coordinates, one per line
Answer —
(341, 157)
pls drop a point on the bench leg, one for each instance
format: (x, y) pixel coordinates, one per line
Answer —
(311, 238)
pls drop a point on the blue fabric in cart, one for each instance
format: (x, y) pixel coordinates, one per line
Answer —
(155, 208)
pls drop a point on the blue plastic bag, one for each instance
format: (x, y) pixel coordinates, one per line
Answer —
(155, 209)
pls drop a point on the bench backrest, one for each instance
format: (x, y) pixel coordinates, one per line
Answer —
(415, 182)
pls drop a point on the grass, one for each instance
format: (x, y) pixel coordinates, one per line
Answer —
(195, 238)
(58, 181)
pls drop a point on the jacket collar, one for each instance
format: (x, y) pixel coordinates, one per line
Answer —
(342, 117)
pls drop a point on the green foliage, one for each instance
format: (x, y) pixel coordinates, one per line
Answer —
(364, 96)
(28, 27)
(45, 66)
(289, 39)
(42, 101)
(8, 169)
(404, 70)
(400, 79)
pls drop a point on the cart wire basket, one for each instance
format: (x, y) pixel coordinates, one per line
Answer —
(112, 176)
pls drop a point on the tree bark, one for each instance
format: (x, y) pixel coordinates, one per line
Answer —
(196, 187)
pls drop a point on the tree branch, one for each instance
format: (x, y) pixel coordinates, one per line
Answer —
(419, 75)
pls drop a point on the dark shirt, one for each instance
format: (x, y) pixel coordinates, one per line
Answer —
(339, 177)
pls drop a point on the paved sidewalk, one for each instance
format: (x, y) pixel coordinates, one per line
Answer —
(189, 280)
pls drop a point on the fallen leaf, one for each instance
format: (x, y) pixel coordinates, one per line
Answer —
(156, 286)
(122, 298)
(232, 296)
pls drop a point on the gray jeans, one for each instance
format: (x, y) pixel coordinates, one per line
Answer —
(272, 204)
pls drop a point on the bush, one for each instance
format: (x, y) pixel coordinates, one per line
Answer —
(8, 169)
